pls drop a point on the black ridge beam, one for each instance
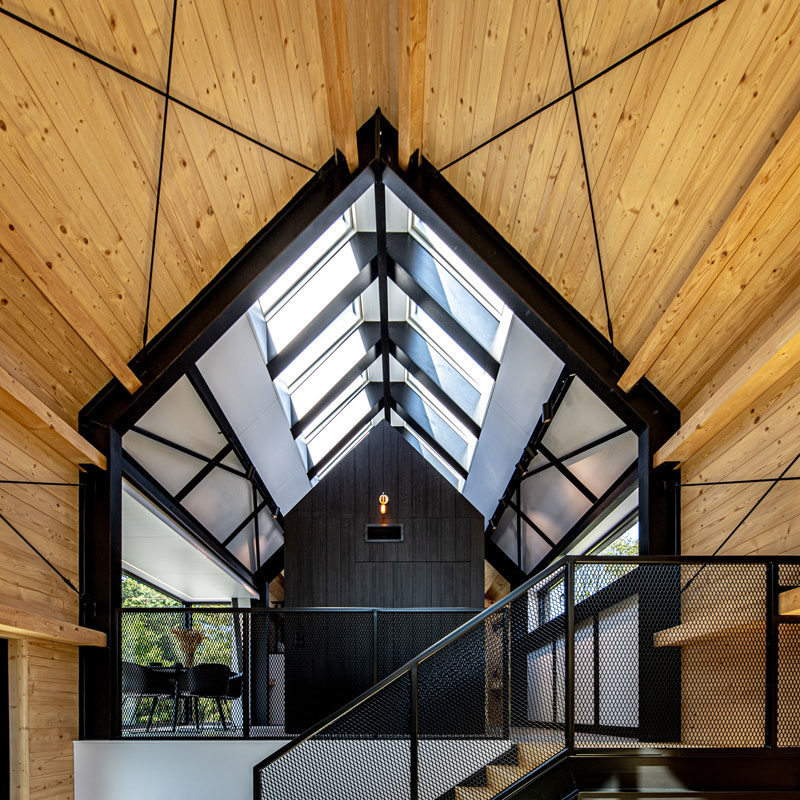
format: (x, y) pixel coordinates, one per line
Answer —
(185, 450)
(203, 473)
(215, 410)
(578, 484)
(238, 286)
(138, 476)
(369, 358)
(243, 524)
(617, 490)
(443, 318)
(577, 452)
(383, 283)
(337, 305)
(454, 298)
(408, 363)
(336, 449)
(497, 557)
(269, 570)
(419, 431)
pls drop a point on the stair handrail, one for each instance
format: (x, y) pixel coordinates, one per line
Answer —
(414, 662)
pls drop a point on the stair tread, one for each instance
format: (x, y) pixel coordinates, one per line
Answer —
(474, 793)
(498, 776)
(532, 755)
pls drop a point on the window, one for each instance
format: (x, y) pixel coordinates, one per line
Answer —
(138, 594)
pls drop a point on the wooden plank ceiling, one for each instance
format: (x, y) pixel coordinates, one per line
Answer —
(139, 152)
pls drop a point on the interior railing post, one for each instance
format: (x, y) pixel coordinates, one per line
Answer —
(246, 693)
(414, 765)
(374, 646)
(569, 651)
(506, 671)
(771, 700)
(118, 718)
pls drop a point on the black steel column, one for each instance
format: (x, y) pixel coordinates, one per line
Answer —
(771, 700)
(374, 646)
(569, 655)
(506, 672)
(246, 673)
(101, 583)
(414, 764)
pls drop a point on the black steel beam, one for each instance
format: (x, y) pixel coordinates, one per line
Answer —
(503, 564)
(576, 452)
(515, 506)
(229, 295)
(268, 571)
(185, 450)
(144, 482)
(198, 478)
(418, 430)
(617, 490)
(567, 473)
(218, 415)
(369, 358)
(383, 285)
(333, 453)
(405, 281)
(402, 332)
(337, 305)
(253, 515)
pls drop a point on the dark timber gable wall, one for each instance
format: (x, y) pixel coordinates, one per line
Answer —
(439, 563)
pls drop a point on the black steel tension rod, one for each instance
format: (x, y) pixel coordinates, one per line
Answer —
(779, 479)
(37, 483)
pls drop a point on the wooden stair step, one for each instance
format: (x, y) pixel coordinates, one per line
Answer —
(532, 755)
(498, 776)
(475, 793)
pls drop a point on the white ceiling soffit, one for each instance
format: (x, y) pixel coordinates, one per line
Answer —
(624, 506)
(528, 372)
(236, 372)
(156, 549)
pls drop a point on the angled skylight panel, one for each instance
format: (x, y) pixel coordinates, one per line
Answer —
(311, 296)
(331, 240)
(324, 438)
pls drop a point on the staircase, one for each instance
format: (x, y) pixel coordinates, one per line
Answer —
(569, 680)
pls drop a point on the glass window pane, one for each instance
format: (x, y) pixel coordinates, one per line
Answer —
(312, 297)
(348, 319)
(327, 373)
(336, 428)
(295, 271)
(333, 406)
(433, 333)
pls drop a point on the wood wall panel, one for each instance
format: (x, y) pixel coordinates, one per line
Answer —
(129, 34)
(438, 563)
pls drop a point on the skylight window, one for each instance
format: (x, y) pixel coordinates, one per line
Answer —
(330, 240)
(311, 296)
(337, 426)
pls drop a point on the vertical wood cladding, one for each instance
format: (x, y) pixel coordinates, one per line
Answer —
(438, 563)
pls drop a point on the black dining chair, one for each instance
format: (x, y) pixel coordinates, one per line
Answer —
(145, 683)
(234, 690)
(205, 681)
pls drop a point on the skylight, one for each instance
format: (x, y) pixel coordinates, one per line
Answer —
(337, 426)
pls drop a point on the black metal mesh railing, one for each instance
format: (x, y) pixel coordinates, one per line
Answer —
(594, 653)
(258, 673)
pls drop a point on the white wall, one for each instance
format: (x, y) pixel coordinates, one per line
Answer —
(168, 770)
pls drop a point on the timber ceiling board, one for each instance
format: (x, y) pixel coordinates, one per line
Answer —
(600, 32)
(676, 136)
(78, 162)
(128, 34)
(256, 66)
(218, 190)
(372, 36)
(488, 65)
(529, 184)
(40, 350)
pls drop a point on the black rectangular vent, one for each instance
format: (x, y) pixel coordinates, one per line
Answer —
(384, 533)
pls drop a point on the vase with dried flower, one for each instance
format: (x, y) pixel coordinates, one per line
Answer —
(188, 641)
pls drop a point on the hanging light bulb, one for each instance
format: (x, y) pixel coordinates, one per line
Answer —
(383, 500)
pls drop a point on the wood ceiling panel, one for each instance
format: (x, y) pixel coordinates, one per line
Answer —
(130, 34)
(675, 138)
(257, 66)
(78, 173)
(40, 349)
(488, 66)
(529, 185)
(600, 32)
(372, 36)
(218, 191)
